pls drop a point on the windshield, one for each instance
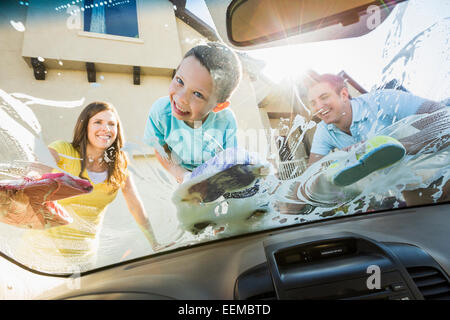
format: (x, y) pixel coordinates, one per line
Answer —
(116, 145)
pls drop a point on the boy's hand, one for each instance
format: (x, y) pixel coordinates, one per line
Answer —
(180, 179)
(174, 169)
(181, 174)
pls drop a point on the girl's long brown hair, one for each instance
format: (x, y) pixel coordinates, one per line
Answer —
(117, 162)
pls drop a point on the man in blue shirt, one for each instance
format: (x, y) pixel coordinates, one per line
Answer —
(348, 121)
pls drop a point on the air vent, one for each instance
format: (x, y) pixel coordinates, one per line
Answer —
(431, 283)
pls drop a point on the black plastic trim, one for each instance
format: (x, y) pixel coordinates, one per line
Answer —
(258, 283)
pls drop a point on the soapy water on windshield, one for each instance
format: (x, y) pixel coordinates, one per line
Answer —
(24, 151)
(326, 199)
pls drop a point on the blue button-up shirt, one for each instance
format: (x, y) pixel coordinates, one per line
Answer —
(371, 113)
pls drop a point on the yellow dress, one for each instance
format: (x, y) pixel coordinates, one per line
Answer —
(73, 247)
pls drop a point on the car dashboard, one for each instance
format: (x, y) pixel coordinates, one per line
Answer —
(399, 254)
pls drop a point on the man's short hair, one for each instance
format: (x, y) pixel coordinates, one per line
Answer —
(223, 65)
(336, 82)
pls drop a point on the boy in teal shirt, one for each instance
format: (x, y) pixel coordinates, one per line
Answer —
(192, 124)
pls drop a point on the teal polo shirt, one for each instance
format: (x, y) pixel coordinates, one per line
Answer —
(190, 147)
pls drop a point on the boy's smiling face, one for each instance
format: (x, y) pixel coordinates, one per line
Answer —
(191, 92)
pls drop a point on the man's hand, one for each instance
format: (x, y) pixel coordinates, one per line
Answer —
(314, 157)
(356, 145)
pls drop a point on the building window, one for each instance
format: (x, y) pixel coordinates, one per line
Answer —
(115, 17)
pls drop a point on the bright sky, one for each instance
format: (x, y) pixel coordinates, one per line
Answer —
(361, 57)
(365, 57)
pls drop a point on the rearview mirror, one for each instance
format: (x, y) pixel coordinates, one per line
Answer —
(251, 22)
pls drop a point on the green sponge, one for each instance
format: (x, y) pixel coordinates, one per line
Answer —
(380, 152)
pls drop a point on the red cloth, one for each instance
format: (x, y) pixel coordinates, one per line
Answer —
(30, 203)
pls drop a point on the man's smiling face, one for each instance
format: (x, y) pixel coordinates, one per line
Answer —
(327, 104)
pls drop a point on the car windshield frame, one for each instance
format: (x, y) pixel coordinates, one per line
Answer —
(57, 82)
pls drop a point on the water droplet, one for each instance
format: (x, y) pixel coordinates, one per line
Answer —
(60, 62)
(18, 25)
